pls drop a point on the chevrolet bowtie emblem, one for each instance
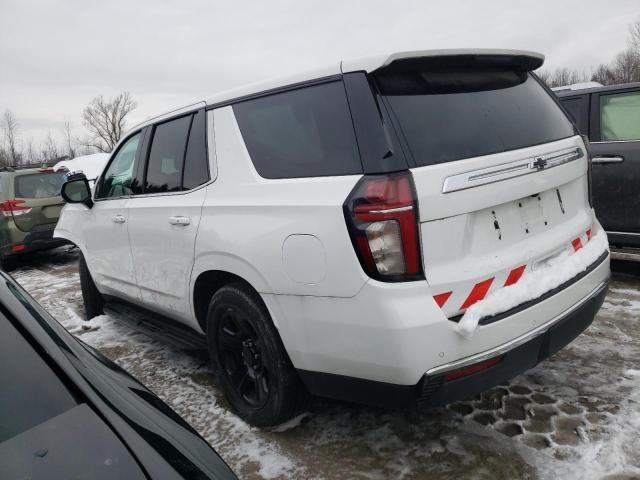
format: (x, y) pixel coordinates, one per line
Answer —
(539, 163)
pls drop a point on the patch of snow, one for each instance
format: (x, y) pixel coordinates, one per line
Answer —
(91, 165)
(288, 425)
(534, 283)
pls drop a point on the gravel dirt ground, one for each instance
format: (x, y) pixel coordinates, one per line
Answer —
(577, 415)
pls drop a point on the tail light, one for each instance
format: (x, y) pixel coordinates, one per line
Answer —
(382, 218)
(14, 207)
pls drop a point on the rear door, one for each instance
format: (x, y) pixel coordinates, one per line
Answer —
(164, 218)
(615, 148)
(37, 201)
(500, 172)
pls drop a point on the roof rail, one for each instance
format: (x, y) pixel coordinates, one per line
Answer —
(577, 86)
(24, 166)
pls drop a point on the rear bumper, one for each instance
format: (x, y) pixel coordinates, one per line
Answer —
(39, 238)
(517, 356)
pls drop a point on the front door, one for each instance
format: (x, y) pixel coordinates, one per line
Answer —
(107, 238)
(615, 149)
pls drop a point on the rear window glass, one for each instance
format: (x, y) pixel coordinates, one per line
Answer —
(39, 185)
(301, 133)
(447, 115)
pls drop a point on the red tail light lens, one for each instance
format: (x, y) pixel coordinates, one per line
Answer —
(14, 207)
(472, 369)
(382, 217)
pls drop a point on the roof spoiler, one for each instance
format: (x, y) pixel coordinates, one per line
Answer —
(517, 60)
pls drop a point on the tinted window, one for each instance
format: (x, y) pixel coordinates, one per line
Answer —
(164, 168)
(196, 168)
(39, 185)
(302, 133)
(116, 181)
(620, 116)
(575, 106)
(447, 115)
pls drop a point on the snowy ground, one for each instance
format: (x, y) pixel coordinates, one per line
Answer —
(577, 415)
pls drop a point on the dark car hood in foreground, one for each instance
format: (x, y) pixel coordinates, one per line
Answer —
(119, 428)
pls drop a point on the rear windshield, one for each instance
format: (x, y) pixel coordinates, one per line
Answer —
(39, 185)
(447, 115)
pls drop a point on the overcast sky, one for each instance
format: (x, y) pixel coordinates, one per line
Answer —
(56, 55)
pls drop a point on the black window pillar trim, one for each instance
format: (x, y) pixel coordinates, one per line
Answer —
(375, 135)
(141, 160)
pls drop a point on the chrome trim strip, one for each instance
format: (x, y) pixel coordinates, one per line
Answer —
(393, 210)
(624, 255)
(516, 342)
(505, 171)
(633, 234)
(607, 160)
(615, 141)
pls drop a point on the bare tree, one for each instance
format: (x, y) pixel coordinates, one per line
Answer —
(10, 129)
(68, 141)
(561, 76)
(49, 149)
(626, 66)
(4, 157)
(634, 33)
(31, 156)
(106, 120)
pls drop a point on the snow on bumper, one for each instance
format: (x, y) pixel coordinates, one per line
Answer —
(536, 283)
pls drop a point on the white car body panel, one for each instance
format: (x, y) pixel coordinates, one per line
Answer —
(162, 232)
(109, 252)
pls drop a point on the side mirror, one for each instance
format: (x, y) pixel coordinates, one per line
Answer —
(76, 190)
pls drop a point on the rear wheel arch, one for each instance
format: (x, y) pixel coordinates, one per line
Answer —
(208, 283)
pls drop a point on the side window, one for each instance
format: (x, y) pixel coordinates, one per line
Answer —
(196, 168)
(620, 116)
(306, 132)
(166, 156)
(116, 181)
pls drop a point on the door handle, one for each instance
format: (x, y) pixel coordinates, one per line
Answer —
(607, 160)
(179, 220)
(118, 219)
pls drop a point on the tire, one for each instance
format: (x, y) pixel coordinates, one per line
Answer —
(7, 263)
(249, 359)
(92, 298)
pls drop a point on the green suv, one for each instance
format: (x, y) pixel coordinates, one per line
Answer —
(30, 205)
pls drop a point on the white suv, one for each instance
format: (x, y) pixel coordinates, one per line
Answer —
(394, 230)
